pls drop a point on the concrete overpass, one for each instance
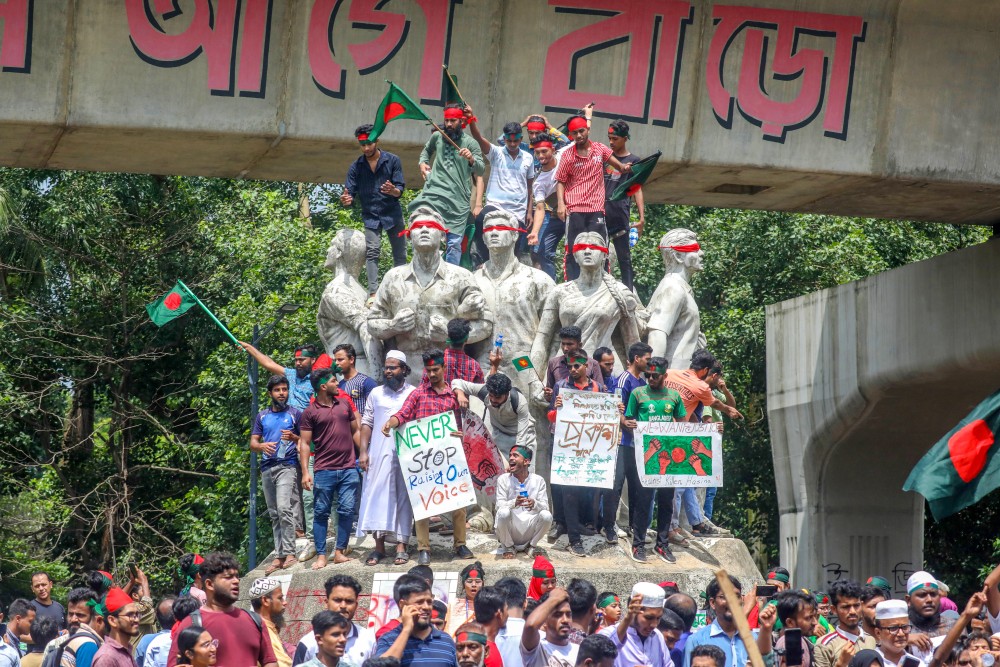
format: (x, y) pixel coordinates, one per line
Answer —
(854, 107)
(880, 108)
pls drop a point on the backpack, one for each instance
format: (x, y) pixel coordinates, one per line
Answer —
(54, 658)
(514, 400)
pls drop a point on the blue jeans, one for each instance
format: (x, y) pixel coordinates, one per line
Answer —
(689, 499)
(710, 501)
(549, 236)
(345, 483)
(453, 252)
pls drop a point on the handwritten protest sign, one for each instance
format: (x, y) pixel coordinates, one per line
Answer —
(434, 466)
(678, 454)
(584, 446)
(482, 454)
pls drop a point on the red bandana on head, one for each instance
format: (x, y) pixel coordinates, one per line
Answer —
(542, 144)
(577, 123)
(535, 126)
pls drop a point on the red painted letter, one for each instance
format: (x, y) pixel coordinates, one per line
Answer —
(15, 47)
(650, 82)
(809, 66)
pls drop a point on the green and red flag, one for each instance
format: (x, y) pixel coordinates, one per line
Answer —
(452, 95)
(963, 466)
(522, 363)
(171, 305)
(640, 172)
(396, 105)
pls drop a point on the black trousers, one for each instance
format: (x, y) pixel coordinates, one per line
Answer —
(568, 497)
(576, 224)
(618, 229)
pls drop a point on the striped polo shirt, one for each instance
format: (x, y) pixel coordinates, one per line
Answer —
(437, 650)
(583, 178)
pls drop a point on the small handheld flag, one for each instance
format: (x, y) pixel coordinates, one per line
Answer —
(522, 363)
(178, 301)
(396, 105)
(452, 95)
(641, 171)
(963, 466)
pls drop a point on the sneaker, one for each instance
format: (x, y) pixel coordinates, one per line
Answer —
(677, 538)
(577, 549)
(722, 531)
(555, 532)
(308, 552)
(706, 529)
(665, 554)
(639, 554)
(611, 536)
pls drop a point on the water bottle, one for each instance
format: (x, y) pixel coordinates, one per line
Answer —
(633, 236)
(522, 490)
(498, 343)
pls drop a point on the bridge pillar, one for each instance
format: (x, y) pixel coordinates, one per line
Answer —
(861, 380)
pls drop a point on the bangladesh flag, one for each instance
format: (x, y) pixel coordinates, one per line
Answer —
(451, 93)
(396, 105)
(640, 172)
(171, 305)
(522, 363)
(961, 467)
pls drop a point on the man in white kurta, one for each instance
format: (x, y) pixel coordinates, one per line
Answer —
(522, 505)
(385, 505)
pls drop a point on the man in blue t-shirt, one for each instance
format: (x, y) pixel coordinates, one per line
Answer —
(299, 388)
(275, 436)
(638, 358)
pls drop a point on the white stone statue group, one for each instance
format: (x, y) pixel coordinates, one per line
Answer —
(415, 301)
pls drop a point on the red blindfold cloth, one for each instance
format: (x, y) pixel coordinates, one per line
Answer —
(589, 246)
(433, 224)
(503, 228)
(691, 247)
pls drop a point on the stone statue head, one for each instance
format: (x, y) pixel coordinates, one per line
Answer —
(347, 250)
(588, 257)
(426, 238)
(500, 238)
(687, 257)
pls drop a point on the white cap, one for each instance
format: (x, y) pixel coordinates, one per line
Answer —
(919, 580)
(890, 609)
(943, 587)
(397, 355)
(263, 586)
(652, 594)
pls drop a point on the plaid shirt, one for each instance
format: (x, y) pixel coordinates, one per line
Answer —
(425, 402)
(459, 366)
(583, 178)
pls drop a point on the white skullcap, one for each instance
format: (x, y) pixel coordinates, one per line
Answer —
(652, 594)
(263, 586)
(890, 609)
(919, 580)
(943, 587)
(397, 355)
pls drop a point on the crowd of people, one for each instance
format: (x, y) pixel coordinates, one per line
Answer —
(505, 623)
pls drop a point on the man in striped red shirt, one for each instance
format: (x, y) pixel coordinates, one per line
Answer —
(580, 187)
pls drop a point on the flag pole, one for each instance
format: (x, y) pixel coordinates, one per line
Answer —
(215, 319)
(453, 82)
(447, 138)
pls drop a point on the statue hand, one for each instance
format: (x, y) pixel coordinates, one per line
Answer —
(438, 328)
(405, 320)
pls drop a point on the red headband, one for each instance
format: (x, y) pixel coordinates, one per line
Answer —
(576, 123)
(433, 224)
(535, 126)
(504, 228)
(363, 137)
(589, 246)
(454, 113)
(542, 144)
(691, 247)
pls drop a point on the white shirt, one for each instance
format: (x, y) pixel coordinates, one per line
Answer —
(545, 183)
(547, 654)
(508, 488)
(360, 646)
(509, 642)
(158, 650)
(508, 185)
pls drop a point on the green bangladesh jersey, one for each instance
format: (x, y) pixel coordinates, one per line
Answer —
(646, 404)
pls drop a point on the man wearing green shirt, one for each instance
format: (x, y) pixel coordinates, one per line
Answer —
(448, 185)
(654, 402)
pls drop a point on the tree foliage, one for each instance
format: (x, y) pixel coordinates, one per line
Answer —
(126, 443)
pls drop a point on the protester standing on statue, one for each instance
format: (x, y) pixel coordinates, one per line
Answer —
(448, 181)
(618, 213)
(546, 229)
(432, 398)
(648, 403)
(332, 423)
(512, 174)
(510, 420)
(385, 505)
(710, 415)
(275, 435)
(522, 506)
(375, 179)
(631, 379)
(536, 125)
(355, 384)
(580, 187)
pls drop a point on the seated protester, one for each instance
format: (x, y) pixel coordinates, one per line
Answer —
(81, 641)
(439, 615)
(554, 617)
(415, 641)
(342, 591)
(671, 627)
(522, 505)
(845, 596)
(330, 631)
(636, 636)
(723, 633)
(708, 655)
(474, 649)
(797, 610)
(596, 651)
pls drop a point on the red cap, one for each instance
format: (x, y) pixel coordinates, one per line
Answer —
(116, 600)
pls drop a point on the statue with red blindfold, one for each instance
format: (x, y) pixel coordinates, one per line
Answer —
(674, 319)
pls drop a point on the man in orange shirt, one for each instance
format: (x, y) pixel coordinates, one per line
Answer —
(694, 390)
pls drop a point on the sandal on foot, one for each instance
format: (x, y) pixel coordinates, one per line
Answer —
(273, 567)
(374, 558)
(402, 558)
